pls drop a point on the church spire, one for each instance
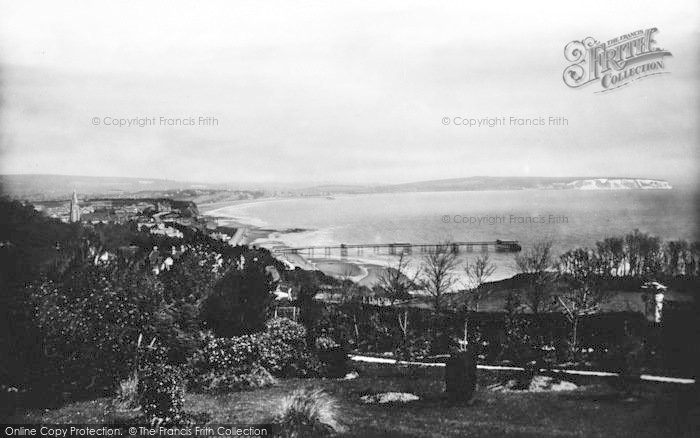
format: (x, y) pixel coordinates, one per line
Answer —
(74, 208)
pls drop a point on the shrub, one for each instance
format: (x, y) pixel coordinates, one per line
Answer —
(240, 353)
(286, 330)
(282, 346)
(325, 343)
(277, 356)
(334, 361)
(519, 344)
(309, 413)
(162, 394)
(308, 365)
(128, 393)
(240, 302)
(281, 350)
(460, 375)
(415, 347)
(217, 382)
(89, 317)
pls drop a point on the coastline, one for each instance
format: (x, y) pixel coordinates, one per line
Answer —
(361, 272)
(250, 232)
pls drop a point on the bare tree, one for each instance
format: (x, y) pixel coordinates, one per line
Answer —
(477, 273)
(396, 284)
(438, 273)
(581, 267)
(537, 263)
(349, 290)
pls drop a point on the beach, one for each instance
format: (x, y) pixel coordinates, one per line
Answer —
(364, 273)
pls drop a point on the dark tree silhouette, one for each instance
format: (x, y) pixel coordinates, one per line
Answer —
(240, 303)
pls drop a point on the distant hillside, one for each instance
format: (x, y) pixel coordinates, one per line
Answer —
(48, 187)
(495, 183)
(38, 188)
(528, 183)
(60, 186)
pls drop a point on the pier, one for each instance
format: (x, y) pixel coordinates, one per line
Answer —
(396, 249)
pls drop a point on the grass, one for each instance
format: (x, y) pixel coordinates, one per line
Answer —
(594, 410)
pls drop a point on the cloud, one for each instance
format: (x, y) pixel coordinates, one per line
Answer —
(336, 93)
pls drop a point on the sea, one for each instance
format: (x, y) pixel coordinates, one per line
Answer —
(569, 218)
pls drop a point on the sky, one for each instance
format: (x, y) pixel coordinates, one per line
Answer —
(338, 92)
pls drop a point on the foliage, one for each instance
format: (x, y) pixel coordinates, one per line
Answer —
(240, 302)
(30, 243)
(627, 355)
(537, 262)
(234, 362)
(128, 393)
(309, 413)
(520, 345)
(194, 275)
(460, 375)
(162, 394)
(416, 347)
(232, 380)
(334, 361)
(325, 343)
(89, 317)
(286, 330)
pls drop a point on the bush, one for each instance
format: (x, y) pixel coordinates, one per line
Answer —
(89, 317)
(520, 345)
(415, 348)
(309, 413)
(286, 330)
(240, 302)
(282, 346)
(325, 343)
(239, 354)
(334, 361)
(128, 393)
(217, 382)
(162, 394)
(237, 363)
(460, 375)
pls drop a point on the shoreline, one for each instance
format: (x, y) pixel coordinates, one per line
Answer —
(363, 273)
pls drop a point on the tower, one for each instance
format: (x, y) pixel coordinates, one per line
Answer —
(74, 208)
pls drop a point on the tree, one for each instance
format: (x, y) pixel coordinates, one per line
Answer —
(349, 290)
(395, 284)
(477, 273)
(240, 303)
(643, 255)
(310, 310)
(536, 263)
(581, 268)
(438, 274)
(676, 254)
(611, 251)
(193, 276)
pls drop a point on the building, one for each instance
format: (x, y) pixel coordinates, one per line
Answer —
(74, 208)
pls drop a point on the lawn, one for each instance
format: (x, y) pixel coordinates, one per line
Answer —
(595, 409)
